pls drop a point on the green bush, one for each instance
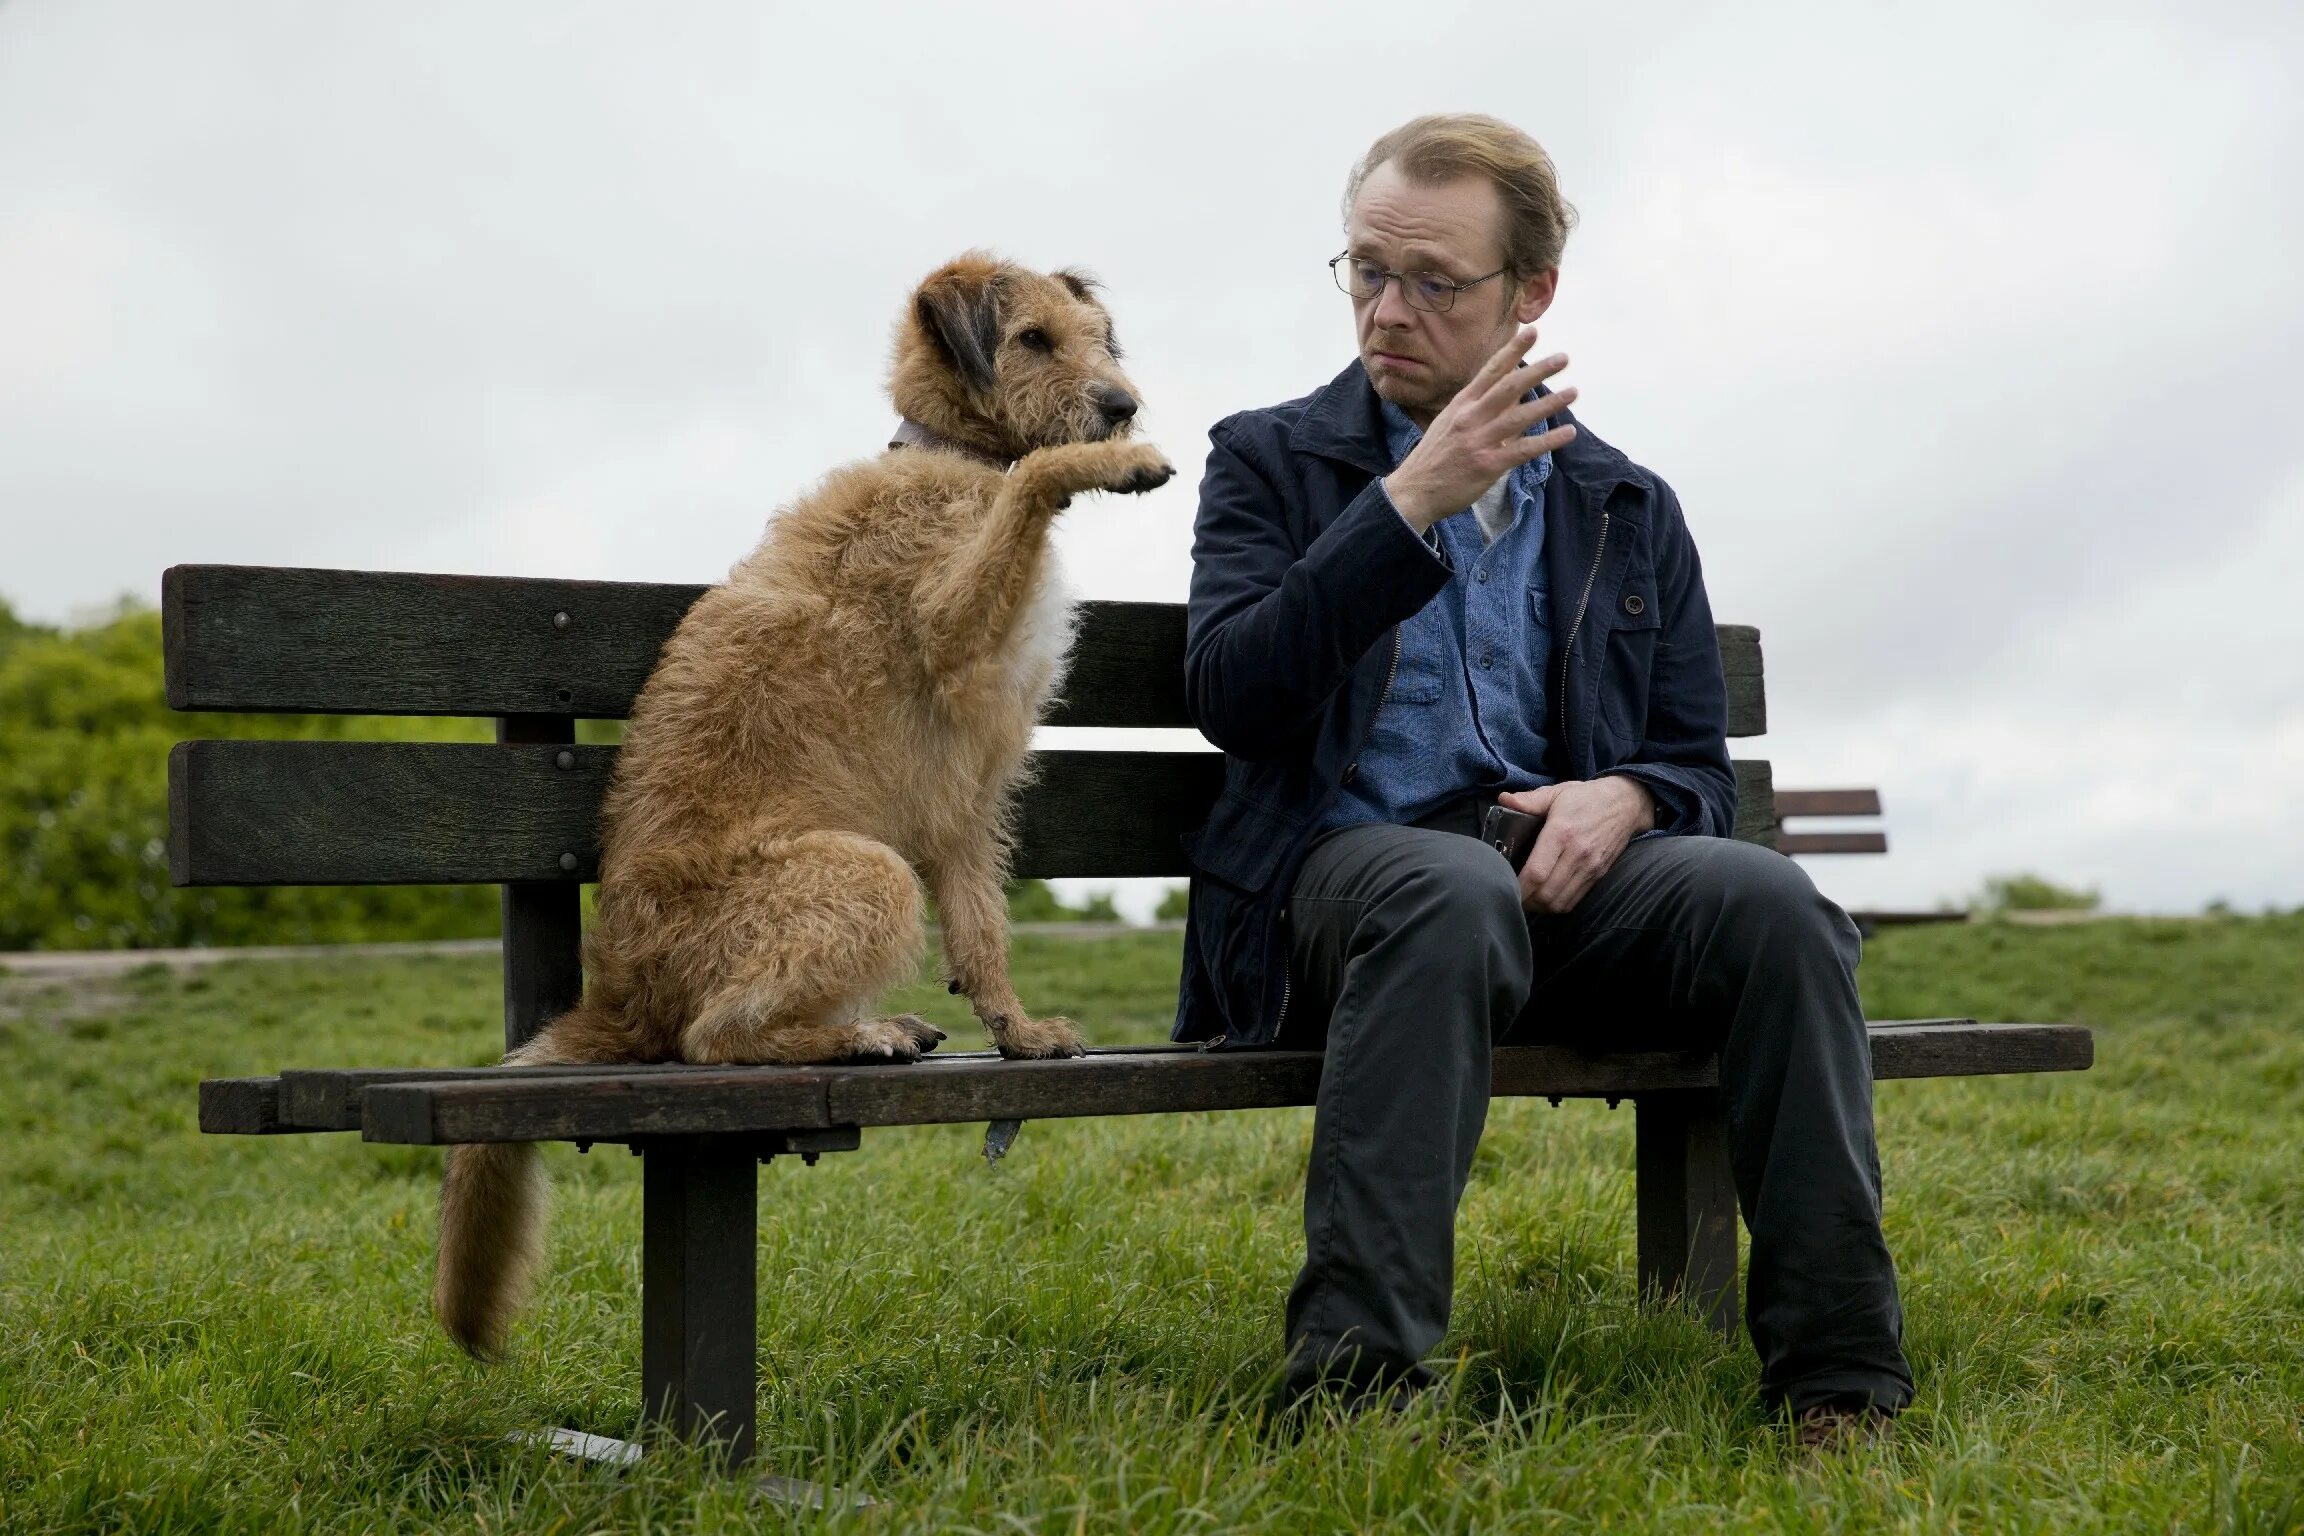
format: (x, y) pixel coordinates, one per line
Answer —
(1031, 901)
(2034, 893)
(84, 736)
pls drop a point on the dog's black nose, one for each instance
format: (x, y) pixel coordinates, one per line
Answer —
(1117, 405)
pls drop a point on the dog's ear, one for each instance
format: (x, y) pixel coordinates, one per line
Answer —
(959, 310)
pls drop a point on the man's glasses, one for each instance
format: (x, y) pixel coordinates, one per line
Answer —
(1365, 280)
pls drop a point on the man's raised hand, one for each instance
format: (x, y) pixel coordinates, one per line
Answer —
(1477, 437)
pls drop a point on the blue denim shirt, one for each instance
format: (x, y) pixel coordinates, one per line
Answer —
(1465, 708)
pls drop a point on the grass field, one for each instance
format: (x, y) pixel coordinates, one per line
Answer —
(2104, 1285)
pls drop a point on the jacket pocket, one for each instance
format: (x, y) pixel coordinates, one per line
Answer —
(1241, 843)
(1633, 628)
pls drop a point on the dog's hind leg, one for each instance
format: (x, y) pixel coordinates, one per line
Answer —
(969, 605)
(973, 904)
(798, 947)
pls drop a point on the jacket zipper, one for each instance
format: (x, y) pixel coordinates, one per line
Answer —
(1395, 672)
(1582, 603)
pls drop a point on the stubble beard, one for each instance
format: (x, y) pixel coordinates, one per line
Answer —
(1417, 397)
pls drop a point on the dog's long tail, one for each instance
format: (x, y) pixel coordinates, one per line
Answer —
(494, 1202)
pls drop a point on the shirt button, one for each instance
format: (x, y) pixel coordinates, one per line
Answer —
(1480, 573)
(1487, 659)
(1635, 604)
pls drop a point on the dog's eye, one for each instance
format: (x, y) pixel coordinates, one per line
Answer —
(1036, 339)
(1112, 346)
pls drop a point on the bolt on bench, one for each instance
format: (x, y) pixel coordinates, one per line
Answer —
(537, 655)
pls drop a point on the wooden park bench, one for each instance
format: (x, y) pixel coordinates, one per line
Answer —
(1845, 804)
(537, 656)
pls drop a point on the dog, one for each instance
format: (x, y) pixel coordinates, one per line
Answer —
(846, 718)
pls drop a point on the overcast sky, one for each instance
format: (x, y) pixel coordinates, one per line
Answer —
(1968, 333)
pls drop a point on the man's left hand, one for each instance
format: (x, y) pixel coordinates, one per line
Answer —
(1587, 822)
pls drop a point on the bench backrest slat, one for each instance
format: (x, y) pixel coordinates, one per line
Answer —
(263, 638)
(445, 813)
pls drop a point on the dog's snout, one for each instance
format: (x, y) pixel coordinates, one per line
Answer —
(1117, 405)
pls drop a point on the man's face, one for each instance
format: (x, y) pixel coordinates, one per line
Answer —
(1418, 360)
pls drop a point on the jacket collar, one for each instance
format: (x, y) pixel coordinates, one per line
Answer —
(1344, 420)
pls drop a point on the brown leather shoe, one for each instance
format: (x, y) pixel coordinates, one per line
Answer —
(1830, 1427)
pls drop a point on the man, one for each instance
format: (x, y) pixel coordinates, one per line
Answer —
(1419, 591)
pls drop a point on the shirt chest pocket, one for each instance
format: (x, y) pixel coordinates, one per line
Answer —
(1417, 661)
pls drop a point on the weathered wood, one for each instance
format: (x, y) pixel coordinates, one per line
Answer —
(328, 1098)
(1686, 1199)
(1743, 665)
(614, 1106)
(1937, 1049)
(397, 643)
(1827, 802)
(523, 1104)
(950, 1085)
(456, 813)
(1795, 843)
(242, 1106)
(1755, 802)
(381, 813)
(699, 1290)
(543, 919)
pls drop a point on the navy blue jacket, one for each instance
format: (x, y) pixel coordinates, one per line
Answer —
(1301, 572)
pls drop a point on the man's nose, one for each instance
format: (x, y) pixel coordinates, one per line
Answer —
(1116, 404)
(1392, 307)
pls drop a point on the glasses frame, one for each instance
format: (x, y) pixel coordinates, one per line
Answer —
(1407, 287)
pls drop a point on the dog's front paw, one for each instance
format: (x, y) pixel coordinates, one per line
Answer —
(1034, 1039)
(1140, 468)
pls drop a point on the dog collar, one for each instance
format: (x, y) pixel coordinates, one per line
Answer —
(911, 434)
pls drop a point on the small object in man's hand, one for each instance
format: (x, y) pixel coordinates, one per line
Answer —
(1511, 833)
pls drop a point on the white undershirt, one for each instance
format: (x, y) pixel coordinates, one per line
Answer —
(1494, 510)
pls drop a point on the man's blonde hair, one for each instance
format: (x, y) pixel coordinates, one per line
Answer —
(1446, 146)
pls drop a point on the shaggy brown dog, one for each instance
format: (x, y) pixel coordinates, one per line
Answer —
(854, 705)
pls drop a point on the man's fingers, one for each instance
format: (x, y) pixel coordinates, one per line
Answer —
(1534, 801)
(1520, 415)
(1561, 886)
(1505, 359)
(1536, 873)
(1532, 448)
(1505, 390)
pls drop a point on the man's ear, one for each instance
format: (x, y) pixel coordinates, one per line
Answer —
(1533, 295)
(958, 309)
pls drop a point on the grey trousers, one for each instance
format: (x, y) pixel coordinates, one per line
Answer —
(1411, 958)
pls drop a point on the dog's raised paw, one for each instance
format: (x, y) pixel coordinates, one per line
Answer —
(1145, 477)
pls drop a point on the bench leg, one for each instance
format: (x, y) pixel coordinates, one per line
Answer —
(699, 1288)
(1687, 1204)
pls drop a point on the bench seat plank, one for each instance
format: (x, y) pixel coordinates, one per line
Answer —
(608, 1104)
(242, 1106)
